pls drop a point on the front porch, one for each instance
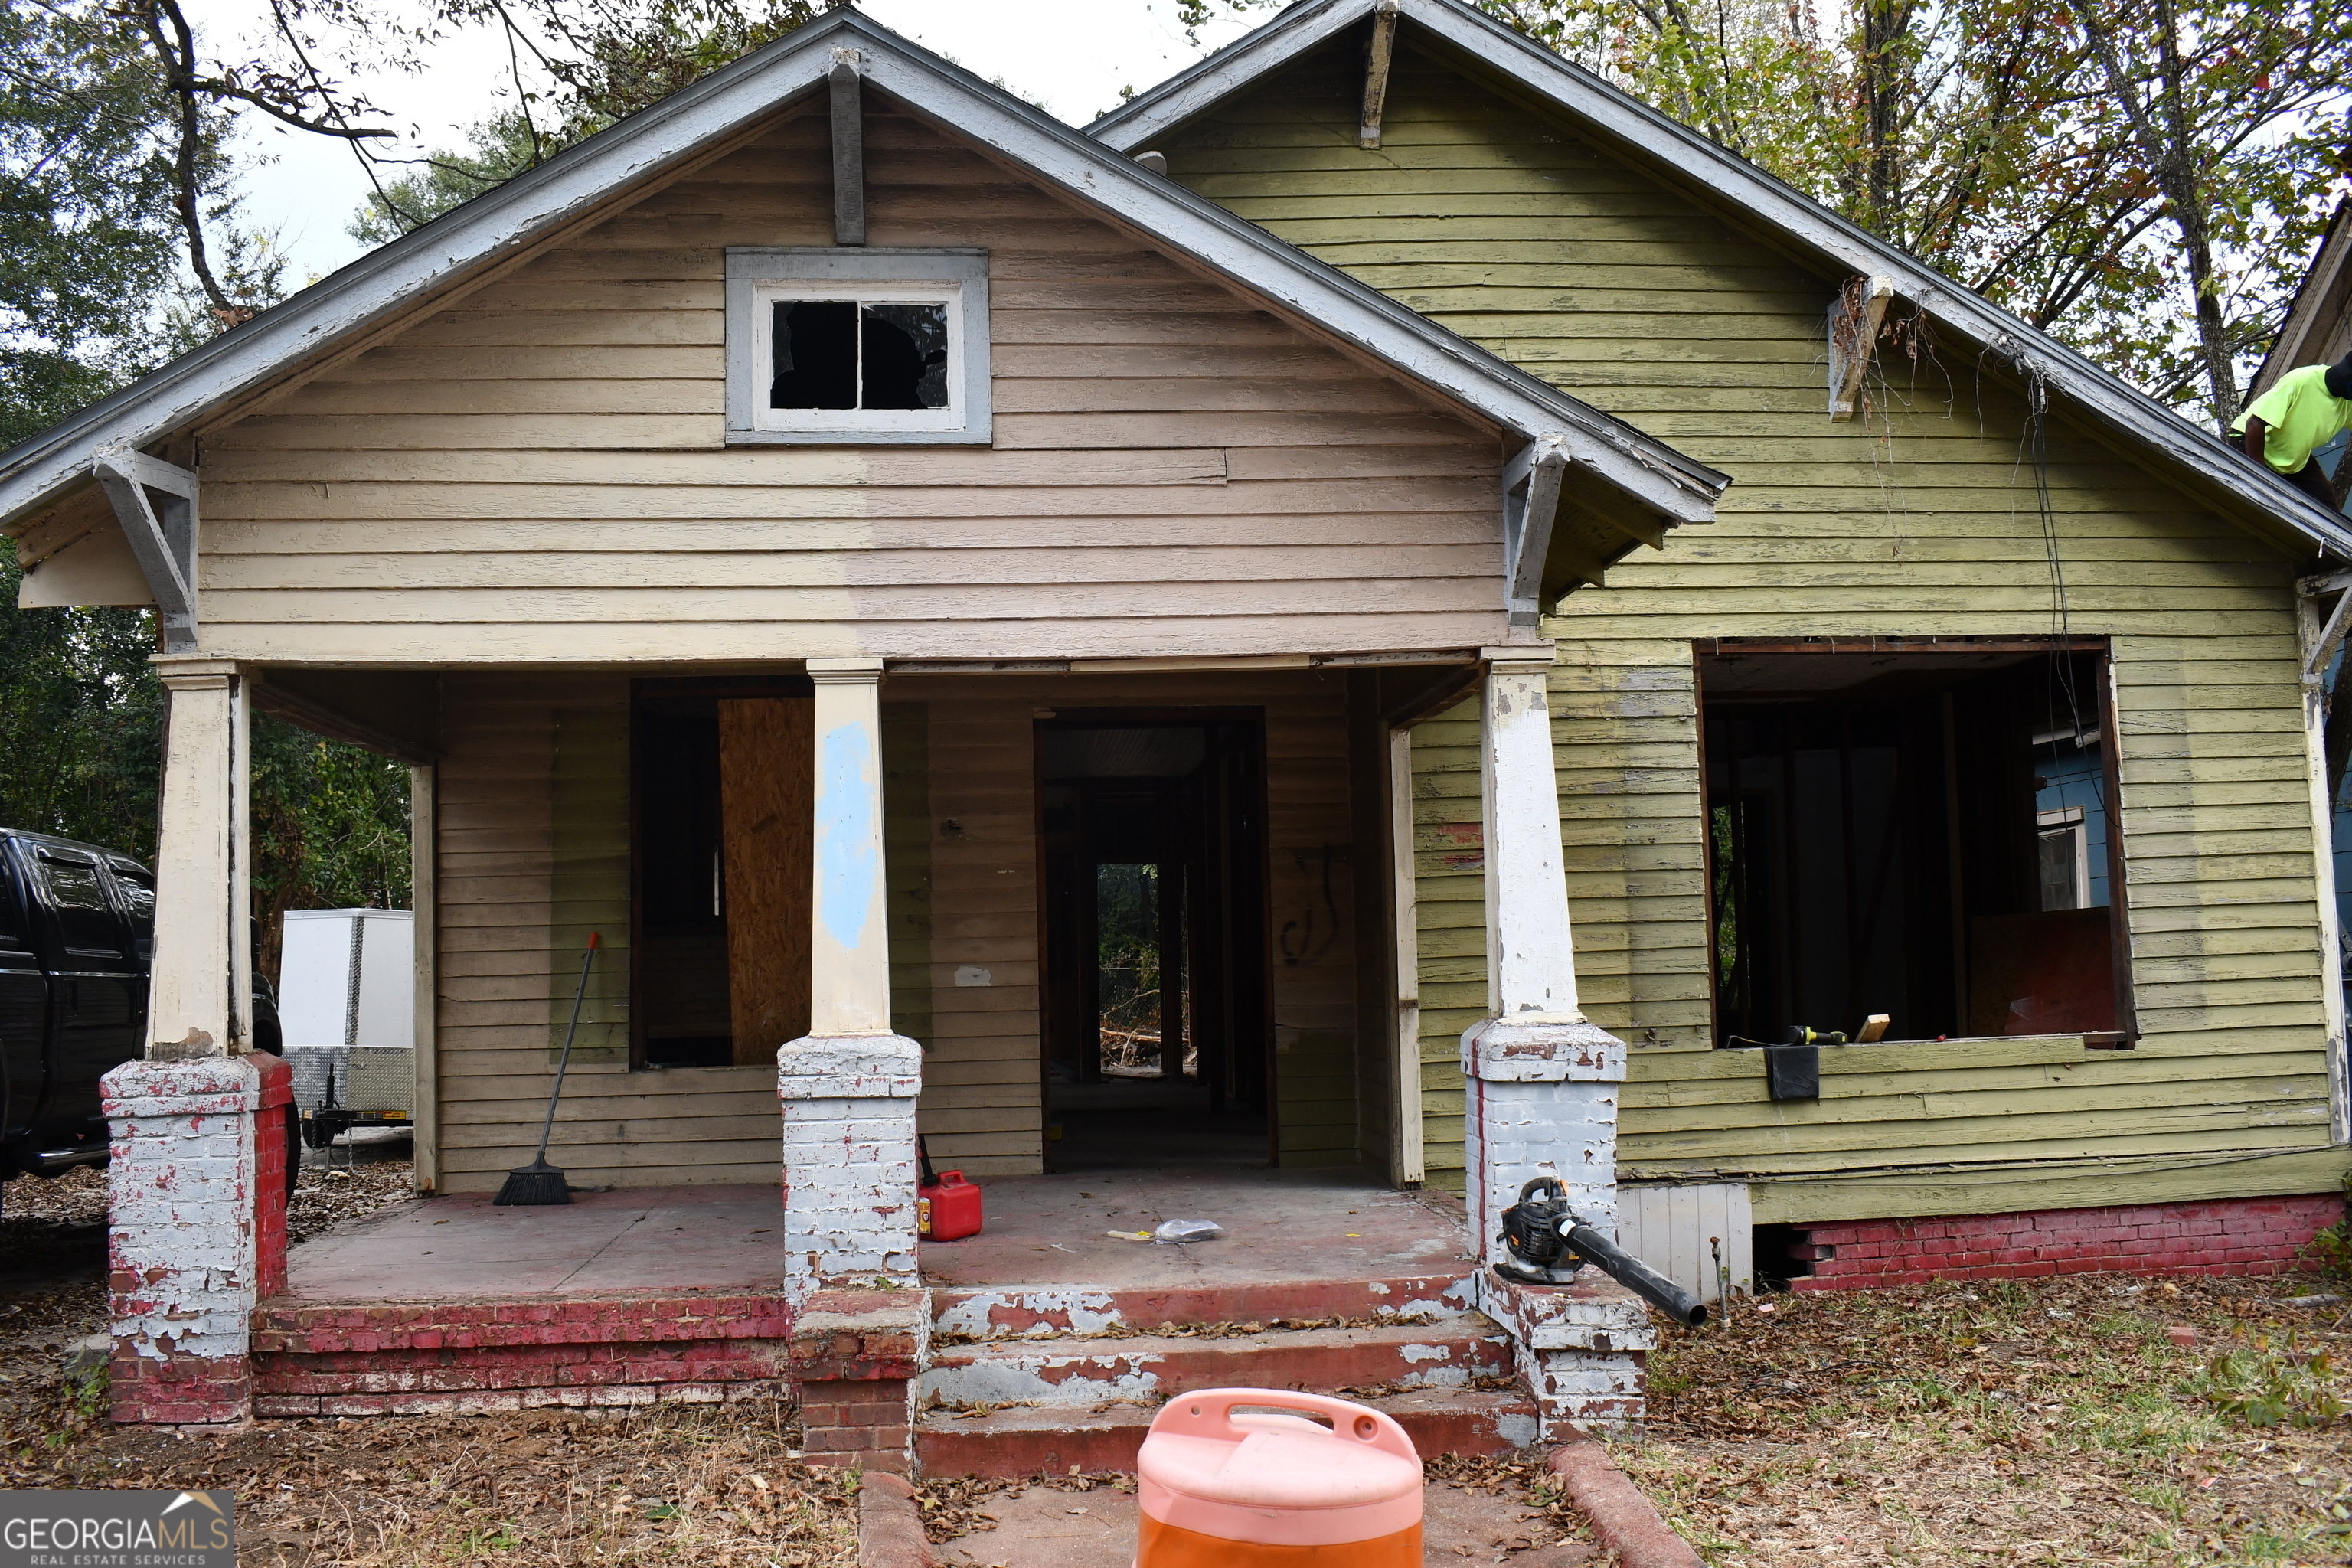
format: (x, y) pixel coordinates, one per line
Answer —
(1043, 1342)
(865, 897)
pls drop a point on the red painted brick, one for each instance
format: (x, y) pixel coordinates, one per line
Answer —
(2233, 1238)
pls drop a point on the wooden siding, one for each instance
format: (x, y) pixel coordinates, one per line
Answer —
(539, 475)
(981, 1106)
(1917, 520)
(533, 853)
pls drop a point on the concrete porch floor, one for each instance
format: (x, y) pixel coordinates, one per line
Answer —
(456, 1245)
(1280, 1226)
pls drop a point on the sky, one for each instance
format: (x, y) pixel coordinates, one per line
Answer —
(1072, 56)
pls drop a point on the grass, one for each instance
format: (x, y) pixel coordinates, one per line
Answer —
(2048, 1422)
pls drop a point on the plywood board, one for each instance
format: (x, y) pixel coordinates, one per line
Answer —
(767, 782)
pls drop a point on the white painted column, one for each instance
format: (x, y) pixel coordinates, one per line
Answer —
(1542, 1082)
(848, 1086)
(2316, 655)
(196, 1176)
(200, 988)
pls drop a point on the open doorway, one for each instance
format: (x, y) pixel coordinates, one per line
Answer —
(1155, 984)
(1917, 832)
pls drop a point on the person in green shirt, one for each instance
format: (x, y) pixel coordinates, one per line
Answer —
(2300, 414)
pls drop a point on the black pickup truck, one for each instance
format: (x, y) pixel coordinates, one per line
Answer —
(77, 933)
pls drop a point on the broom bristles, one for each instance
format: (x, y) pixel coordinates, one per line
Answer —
(534, 1185)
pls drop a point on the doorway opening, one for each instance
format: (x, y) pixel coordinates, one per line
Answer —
(721, 775)
(1156, 1021)
(1919, 833)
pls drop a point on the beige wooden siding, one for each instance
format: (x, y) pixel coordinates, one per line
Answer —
(981, 1105)
(1916, 522)
(524, 818)
(538, 475)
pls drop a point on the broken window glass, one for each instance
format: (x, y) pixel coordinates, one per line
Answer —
(906, 350)
(841, 354)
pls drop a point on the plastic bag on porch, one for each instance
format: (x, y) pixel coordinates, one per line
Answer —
(1176, 1232)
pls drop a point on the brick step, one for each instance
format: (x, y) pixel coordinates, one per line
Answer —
(351, 1359)
(1033, 1441)
(1088, 1371)
(1001, 1312)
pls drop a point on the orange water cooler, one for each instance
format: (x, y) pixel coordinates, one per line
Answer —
(1242, 1477)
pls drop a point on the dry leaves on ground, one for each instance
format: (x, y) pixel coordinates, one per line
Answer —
(2044, 1422)
(719, 1485)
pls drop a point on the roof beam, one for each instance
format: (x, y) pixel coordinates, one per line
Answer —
(1376, 71)
(848, 149)
(1531, 484)
(156, 505)
(1854, 337)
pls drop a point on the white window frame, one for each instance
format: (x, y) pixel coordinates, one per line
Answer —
(758, 278)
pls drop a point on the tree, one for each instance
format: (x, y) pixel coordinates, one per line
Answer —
(607, 60)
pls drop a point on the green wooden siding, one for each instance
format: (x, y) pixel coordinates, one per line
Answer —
(1917, 522)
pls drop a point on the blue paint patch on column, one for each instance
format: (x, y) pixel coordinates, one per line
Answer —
(847, 857)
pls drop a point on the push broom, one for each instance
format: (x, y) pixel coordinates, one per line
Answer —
(539, 1183)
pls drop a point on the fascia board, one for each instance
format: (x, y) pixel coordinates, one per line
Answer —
(478, 234)
(1296, 31)
(1646, 135)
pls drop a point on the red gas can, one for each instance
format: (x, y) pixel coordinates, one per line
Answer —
(947, 1209)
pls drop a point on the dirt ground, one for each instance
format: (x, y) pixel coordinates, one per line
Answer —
(721, 1486)
(2053, 1422)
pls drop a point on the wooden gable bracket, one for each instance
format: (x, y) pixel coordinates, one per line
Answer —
(1853, 335)
(156, 505)
(848, 148)
(1376, 70)
(1531, 484)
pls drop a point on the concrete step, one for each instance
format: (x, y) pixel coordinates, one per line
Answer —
(983, 1312)
(1079, 1371)
(1047, 1440)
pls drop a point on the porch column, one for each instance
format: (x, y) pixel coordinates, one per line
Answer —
(1541, 1080)
(848, 1086)
(196, 1176)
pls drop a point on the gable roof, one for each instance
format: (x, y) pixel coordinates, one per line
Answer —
(1682, 156)
(394, 282)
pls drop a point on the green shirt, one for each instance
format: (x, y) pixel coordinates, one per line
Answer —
(2302, 417)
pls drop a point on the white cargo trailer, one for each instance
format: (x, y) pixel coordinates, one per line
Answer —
(346, 1003)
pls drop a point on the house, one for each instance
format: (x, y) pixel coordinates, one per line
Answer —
(1989, 703)
(798, 536)
(849, 544)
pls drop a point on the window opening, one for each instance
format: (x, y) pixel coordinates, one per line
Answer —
(843, 354)
(1908, 833)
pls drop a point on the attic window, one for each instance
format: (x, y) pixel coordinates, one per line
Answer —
(851, 347)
